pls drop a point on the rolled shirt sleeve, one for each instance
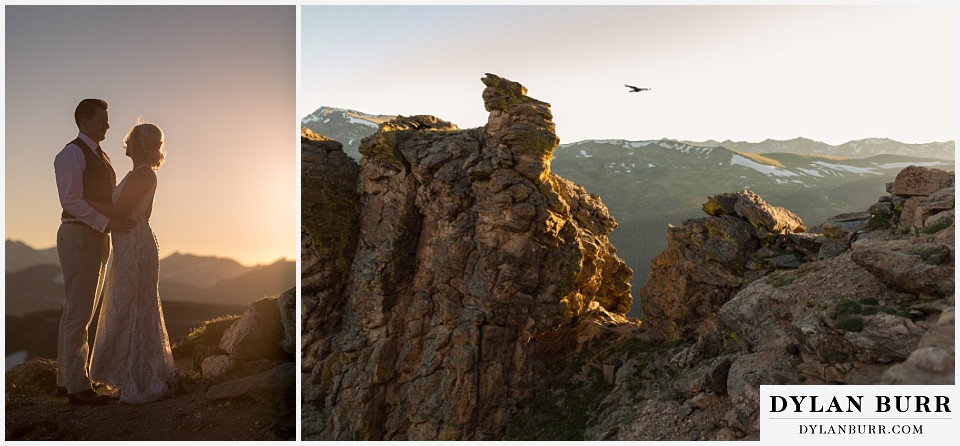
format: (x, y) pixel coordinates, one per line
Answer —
(68, 167)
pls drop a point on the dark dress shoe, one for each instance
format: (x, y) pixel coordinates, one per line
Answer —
(61, 392)
(88, 398)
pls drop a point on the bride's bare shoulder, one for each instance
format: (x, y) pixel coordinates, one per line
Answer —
(144, 175)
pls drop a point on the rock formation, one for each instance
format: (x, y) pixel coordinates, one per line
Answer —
(708, 260)
(427, 273)
(255, 358)
(872, 304)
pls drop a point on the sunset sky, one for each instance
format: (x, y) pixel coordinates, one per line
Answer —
(831, 73)
(219, 80)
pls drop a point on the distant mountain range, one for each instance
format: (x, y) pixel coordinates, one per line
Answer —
(34, 281)
(348, 127)
(860, 148)
(648, 184)
(20, 256)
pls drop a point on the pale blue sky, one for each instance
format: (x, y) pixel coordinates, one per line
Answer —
(832, 73)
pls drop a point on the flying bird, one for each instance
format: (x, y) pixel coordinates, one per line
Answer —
(635, 89)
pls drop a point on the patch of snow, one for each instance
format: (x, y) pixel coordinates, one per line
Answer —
(639, 144)
(361, 121)
(584, 154)
(619, 142)
(309, 119)
(762, 168)
(902, 165)
(811, 172)
(650, 165)
(846, 168)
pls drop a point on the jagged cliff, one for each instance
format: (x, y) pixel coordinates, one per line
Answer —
(428, 270)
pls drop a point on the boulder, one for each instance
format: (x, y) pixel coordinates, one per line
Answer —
(942, 219)
(275, 389)
(932, 362)
(914, 181)
(288, 320)
(909, 267)
(721, 204)
(257, 334)
(37, 374)
(941, 200)
(216, 367)
(841, 226)
(908, 214)
(765, 218)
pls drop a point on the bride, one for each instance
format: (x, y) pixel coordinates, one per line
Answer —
(131, 349)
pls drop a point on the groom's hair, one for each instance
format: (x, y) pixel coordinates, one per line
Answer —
(87, 108)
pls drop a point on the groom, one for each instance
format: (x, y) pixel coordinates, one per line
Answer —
(83, 171)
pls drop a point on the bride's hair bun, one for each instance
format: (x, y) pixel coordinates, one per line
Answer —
(147, 139)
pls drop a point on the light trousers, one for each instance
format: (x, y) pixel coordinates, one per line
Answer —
(84, 252)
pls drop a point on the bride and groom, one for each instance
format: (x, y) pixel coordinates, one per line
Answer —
(131, 350)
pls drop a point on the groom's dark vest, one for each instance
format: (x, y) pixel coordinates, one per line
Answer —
(98, 176)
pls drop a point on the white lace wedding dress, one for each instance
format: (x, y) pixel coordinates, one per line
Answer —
(131, 350)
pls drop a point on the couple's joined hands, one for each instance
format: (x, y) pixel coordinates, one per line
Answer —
(121, 224)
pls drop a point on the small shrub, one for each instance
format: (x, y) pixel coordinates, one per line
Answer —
(931, 255)
(878, 221)
(869, 301)
(888, 310)
(938, 226)
(847, 306)
(849, 323)
(209, 333)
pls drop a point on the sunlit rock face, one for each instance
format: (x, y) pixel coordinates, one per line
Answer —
(465, 247)
(708, 260)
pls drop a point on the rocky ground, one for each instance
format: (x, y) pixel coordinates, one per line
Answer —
(237, 383)
(868, 298)
(38, 415)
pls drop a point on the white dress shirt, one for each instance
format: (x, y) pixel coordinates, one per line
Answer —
(68, 167)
